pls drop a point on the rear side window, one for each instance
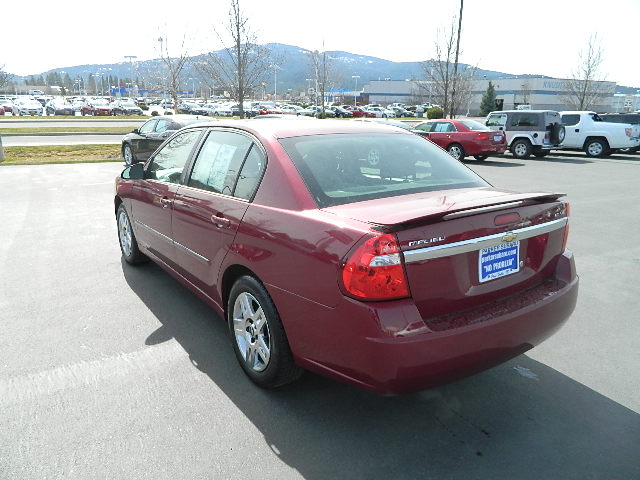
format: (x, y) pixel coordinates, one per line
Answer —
(473, 125)
(524, 120)
(347, 168)
(570, 120)
(228, 163)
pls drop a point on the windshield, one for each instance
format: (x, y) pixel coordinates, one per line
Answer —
(341, 168)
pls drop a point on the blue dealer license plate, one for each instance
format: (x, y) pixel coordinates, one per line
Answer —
(499, 261)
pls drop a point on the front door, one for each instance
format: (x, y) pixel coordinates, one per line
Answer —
(152, 198)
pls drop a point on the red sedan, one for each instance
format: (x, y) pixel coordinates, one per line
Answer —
(394, 277)
(464, 137)
(98, 106)
(361, 112)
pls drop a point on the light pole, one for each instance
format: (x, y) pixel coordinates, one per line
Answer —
(131, 57)
(275, 81)
(355, 77)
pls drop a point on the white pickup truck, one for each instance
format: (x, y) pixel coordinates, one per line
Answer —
(586, 131)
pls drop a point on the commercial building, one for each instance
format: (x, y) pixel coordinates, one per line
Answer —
(539, 92)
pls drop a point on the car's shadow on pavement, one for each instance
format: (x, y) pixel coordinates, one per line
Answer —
(520, 420)
(493, 163)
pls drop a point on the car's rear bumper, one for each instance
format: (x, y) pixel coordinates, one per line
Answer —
(388, 348)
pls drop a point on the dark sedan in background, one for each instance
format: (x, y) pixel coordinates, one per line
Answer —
(126, 107)
(143, 141)
(394, 277)
(59, 107)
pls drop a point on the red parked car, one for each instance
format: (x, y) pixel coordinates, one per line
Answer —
(464, 137)
(97, 106)
(394, 277)
(361, 112)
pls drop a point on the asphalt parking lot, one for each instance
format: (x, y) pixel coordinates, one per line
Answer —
(111, 371)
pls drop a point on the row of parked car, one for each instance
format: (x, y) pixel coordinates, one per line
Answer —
(535, 132)
(252, 109)
(523, 133)
(30, 106)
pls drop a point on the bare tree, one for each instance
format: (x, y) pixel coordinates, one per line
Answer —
(586, 85)
(526, 92)
(239, 67)
(321, 71)
(174, 67)
(447, 84)
(455, 64)
(4, 78)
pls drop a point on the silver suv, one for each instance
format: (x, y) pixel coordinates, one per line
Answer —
(529, 132)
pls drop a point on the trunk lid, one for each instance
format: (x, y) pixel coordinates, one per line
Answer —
(464, 249)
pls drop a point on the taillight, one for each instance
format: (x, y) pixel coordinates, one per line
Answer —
(482, 136)
(375, 271)
(627, 132)
(566, 227)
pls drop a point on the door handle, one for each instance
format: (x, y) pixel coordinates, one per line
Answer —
(577, 129)
(165, 202)
(220, 222)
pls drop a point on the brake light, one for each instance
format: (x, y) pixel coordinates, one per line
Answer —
(482, 136)
(627, 132)
(566, 227)
(375, 270)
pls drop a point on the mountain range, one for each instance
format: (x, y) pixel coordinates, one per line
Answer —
(294, 68)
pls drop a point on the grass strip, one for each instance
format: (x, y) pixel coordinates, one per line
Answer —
(53, 154)
(49, 130)
(88, 118)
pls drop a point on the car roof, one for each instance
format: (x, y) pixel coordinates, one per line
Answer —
(300, 127)
(523, 111)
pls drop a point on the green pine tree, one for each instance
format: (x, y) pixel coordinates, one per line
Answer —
(488, 103)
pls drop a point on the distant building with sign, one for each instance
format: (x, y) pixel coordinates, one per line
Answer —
(539, 92)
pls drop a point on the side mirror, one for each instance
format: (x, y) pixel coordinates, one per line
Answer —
(134, 172)
(136, 131)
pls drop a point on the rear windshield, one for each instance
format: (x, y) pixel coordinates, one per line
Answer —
(347, 168)
(473, 125)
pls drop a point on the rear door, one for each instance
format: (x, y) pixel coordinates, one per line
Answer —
(572, 134)
(210, 207)
(440, 133)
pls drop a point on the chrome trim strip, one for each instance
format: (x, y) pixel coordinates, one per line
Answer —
(474, 211)
(152, 230)
(169, 240)
(474, 244)
(191, 252)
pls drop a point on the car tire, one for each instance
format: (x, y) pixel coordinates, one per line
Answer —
(521, 148)
(258, 337)
(127, 239)
(127, 155)
(480, 157)
(596, 148)
(456, 151)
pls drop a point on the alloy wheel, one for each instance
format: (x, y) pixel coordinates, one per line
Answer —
(251, 332)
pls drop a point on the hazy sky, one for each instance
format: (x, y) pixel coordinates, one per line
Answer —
(513, 36)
